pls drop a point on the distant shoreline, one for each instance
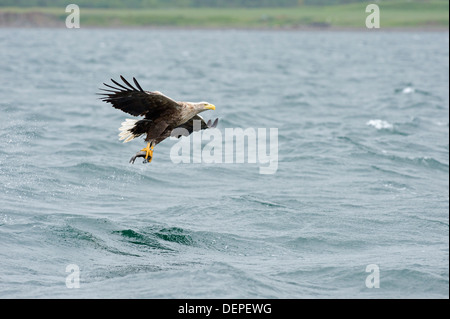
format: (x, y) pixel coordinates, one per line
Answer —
(62, 26)
(332, 18)
(256, 29)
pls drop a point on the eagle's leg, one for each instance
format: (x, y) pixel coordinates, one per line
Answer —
(148, 152)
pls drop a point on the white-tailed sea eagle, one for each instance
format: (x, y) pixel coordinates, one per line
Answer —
(161, 114)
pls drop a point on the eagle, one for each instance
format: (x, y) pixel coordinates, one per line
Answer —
(161, 115)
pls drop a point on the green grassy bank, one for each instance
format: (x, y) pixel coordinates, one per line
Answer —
(392, 15)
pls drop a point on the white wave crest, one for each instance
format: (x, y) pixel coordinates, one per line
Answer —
(408, 90)
(380, 124)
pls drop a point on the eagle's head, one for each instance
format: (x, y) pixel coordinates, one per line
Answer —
(203, 106)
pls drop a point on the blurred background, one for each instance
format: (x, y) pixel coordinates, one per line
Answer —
(230, 14)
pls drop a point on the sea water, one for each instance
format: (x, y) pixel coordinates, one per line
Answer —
(357, 207)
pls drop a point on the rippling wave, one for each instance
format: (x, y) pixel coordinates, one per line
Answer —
(362, 172)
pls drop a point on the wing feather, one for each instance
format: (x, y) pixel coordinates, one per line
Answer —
(118, 84)
(126, 82)
(137, 84)
(189, 125)
(137, 101)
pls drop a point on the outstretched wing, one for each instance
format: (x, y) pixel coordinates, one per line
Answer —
(136, 101)
(190, 126)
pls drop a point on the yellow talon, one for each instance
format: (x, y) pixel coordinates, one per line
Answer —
(149, 152)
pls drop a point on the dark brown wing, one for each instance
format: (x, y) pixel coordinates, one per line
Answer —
(189, 125)
(136, 101)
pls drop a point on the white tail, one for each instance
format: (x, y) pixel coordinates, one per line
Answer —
(125, 133)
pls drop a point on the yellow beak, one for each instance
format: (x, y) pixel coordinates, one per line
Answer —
(210, 107)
